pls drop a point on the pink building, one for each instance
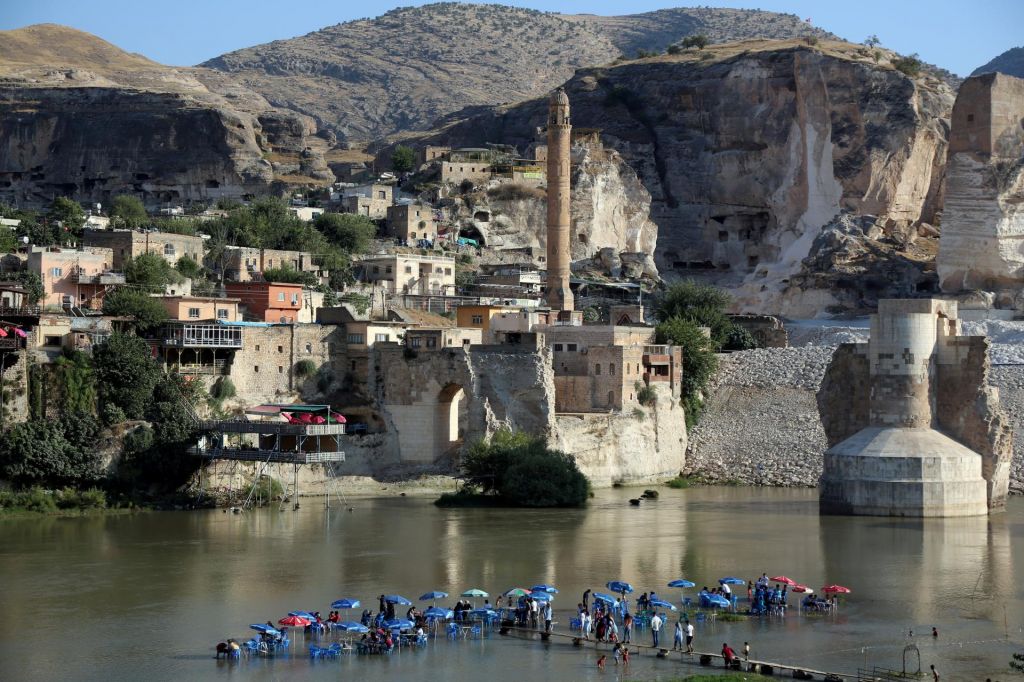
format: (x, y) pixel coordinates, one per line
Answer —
(73, 277)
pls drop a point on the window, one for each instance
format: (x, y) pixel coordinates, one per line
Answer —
(387, 270)
(465, 342)
(408, 269)
(257, 348)
(51, 340)
(295, 299)
(256, 369)
(611, 369)
(558, 347)
(415, 342)
(280, 369)
(431, 342)
(222, 314)
(447, 271)
(381, 338)
(571, 347)
(352, 365)
(309, 348)
(413, 235)
(382, 194)
(597, 369)
(280, 349)
(168, 249)
(355, 338)
(478, 319)
(376, 269)
(57, 272)
(193, 313)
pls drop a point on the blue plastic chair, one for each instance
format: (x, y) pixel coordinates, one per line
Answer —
(235, 654)
(476, 632)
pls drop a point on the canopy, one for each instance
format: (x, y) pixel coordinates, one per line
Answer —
(399, 624)
(516, 592)
(541, 596)
(550, 589)
(474, 592)
(731, 581)
(663, 604)
(436, 612)
(783, 579)
(346, 604)
(836, 589)
(352, 626)
(397, 599)
(620, 586)
(715, 599)
(432, 596)
(294, 621)
(303, 614)
(263, 627)
(682, 583)
(601, 596)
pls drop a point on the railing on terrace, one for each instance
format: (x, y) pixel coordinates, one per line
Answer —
(11, 343)
(656, 350)
(202, 335)
(20, 311)
(217, 368)
(271, 428)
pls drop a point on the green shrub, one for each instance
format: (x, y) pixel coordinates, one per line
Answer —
(679, 483)
(305, 368)
(222, 389)
(700, 360)
(699, 41)
(38, 500)
(111, 414)
(909, 65)
(639, 414)
(93, 498)
(645, 395)
(268, 488)
(738, 338)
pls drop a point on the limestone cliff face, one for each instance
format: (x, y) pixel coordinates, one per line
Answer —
(983, 220)
(78, 117)
(610, 209)
(749, 149)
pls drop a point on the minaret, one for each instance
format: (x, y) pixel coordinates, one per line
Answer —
(558, 295)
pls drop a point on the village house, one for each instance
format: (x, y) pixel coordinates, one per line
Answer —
(130, 244)
(405, 273)
(371, 201)
(201, 308)
(411, 223)
(473, 164)
(246, 264)
(268, 301)
(73, 277)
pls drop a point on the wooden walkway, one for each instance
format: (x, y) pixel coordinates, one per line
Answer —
(750, 665)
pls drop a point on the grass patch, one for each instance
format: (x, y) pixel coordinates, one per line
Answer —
(731, 617)
(683, 482)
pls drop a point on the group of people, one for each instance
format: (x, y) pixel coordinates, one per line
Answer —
(764, 599)
(530, 612)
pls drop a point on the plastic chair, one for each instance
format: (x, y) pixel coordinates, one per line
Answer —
(476, 632)
(452, 631)
(575, 624)
(235, 654)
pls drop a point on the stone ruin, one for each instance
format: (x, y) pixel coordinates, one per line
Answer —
(913, 428)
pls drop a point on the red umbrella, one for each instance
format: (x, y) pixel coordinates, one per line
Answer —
(801, 588)
(783, 579)
(836, 589)
(294, 621)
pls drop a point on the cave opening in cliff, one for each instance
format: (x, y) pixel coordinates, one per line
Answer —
(474, 234)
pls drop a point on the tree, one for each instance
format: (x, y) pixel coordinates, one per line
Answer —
(124, 302)
(289, 275)
(349, 232)
(52, 452)
(128, 211)
(699, 41)
(151, 272)
(76, 383)
(69, 216)
(403, 159)
(872, 40)
(32, 284)
(909, 65)
(126, 373)
(702, 304)
(187, 267)
(699, 361)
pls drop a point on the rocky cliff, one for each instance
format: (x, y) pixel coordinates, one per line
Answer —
(984, 214)
(79, 117)
(403, 70)
(749, 149)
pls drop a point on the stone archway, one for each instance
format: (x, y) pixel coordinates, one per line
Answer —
(451, 419)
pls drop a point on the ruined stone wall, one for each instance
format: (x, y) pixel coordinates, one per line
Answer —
(264, 368)
(845, 394)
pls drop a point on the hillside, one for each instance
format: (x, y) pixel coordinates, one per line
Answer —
(403, 70)
(1010, 62)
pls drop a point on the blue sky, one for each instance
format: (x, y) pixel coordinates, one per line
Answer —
(958, 36)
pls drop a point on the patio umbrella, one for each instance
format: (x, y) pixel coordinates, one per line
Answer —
(783, 579)
(717, 600)
(682, 583)
(731, 581)
(475, 593)
(399, 624)
(620, 586)
(433, 596)
(801, 588)
(263, 627)
(601, 596)
(516, 592)
(663, 604)
(294, 621)
(303, 614)
(836, 589)
(352, 626)
(541, 596)
(397, 599)
(550, 589)
(437, 612)
(346, 604)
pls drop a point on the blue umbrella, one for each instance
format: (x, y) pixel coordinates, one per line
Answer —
(731, 581)
(601, 596)
(682, 583)
(436, 612)
(541, 596)
(620, 587)
(352, 626)
(433, 596)
(397, 599)
(663, 604)
(550, 589)
(303, 614)
(399, 624)
(346, 604)
(263, 627)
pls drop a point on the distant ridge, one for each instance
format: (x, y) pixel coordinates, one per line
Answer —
(1010, 62)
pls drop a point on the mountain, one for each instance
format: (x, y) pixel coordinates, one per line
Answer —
(1010, 62)
(403, 70)
(80, 117)
(797, 175)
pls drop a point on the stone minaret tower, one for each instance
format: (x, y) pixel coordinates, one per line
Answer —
(559, 296)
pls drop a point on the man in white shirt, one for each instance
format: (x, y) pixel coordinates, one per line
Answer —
(656, 622)
(727, 591)
(689, 637)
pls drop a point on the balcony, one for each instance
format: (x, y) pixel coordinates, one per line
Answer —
(101, 278)
(189, 335)
(11, 343)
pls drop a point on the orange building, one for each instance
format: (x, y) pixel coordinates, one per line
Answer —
(268, 301)
(200, 308)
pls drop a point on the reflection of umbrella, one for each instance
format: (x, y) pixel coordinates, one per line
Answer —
(346, 604)
(550, 589)
(431, 596)
(801, 588)
(517, 592)
(397, 599)
(682, 583)
(294, 621)
(835, 589)
(475, 593)
(731, 581)
(398, 624)
(263, 627)
(601, 596)
(663, 604)
(437, 612)
(352, 626)
(620, 587)
(783, 579)
(541, 596)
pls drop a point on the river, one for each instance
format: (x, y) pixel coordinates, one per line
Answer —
(146, 596)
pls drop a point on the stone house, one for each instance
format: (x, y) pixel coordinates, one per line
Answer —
(439, 338)
(246, 264)
(128, 244)
(411, 223)
(371, 201)
(410, 273)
